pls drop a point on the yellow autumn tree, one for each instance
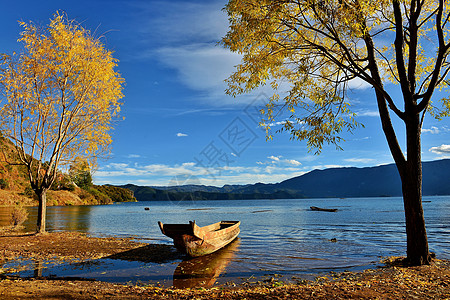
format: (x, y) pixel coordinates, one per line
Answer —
(311, 51)
(60, 96)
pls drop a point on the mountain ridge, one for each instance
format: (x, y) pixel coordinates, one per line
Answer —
(344, 182)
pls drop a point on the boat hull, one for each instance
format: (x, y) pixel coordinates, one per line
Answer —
(323, 209)
(198, 241)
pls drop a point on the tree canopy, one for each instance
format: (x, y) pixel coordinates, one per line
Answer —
(60, 97)
(311, 52)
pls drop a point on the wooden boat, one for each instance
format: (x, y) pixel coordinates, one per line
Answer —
(195, 241)
(323, 209)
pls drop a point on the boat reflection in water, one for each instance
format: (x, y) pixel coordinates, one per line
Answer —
(203, 271)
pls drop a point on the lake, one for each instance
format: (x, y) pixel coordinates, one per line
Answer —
(282, 237)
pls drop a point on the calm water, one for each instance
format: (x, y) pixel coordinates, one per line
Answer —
(277, 236)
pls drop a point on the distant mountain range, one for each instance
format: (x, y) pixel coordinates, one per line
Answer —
(380, 181)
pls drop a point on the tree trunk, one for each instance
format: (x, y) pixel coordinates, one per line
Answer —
(410, 171)
(411, 176)
(42, 211)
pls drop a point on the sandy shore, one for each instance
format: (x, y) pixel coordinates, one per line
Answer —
(391, 282)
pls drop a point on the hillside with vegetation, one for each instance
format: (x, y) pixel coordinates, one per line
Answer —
(68, 189)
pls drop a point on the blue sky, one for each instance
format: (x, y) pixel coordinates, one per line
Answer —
(179, 126)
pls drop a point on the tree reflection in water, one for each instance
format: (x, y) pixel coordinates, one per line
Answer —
(37, 269)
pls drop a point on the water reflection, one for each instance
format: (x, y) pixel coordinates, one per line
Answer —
(37, 268)
(151, 263)
(5, 215)
(203, 271)
(67, 218)
(363, 229)
(74, 219)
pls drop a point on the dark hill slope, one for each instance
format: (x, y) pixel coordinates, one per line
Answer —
(367, 182)
(347, 182)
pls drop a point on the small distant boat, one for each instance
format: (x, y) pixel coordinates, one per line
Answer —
(323, 209)
(195, 241)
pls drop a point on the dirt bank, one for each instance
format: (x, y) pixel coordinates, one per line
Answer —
(392, 282)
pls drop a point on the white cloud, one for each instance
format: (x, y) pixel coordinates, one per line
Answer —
(277, 123)
(358, 84)
(274, 158)
(280, 161)
(360, 160)
(163, 174)
(201, 66)
(117, 166)
(368, 113)
(130, 172)
(432, 130)
(188, 164)
(436, 130)
(442, 150)
(133, 156)
(188, 43)
(179, 134)
(270, 169)
(181, 22)
(293, 162)
(322, 167)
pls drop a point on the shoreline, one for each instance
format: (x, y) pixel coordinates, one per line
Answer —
(392, 281)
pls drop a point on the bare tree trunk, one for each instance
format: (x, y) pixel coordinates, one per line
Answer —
(411, 175)
(42, 211)
(410, 171)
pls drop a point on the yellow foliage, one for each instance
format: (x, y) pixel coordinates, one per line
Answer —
(61, 95)
(315, 50)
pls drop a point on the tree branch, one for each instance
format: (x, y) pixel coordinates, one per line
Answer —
(398, 44)
(441, 54)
